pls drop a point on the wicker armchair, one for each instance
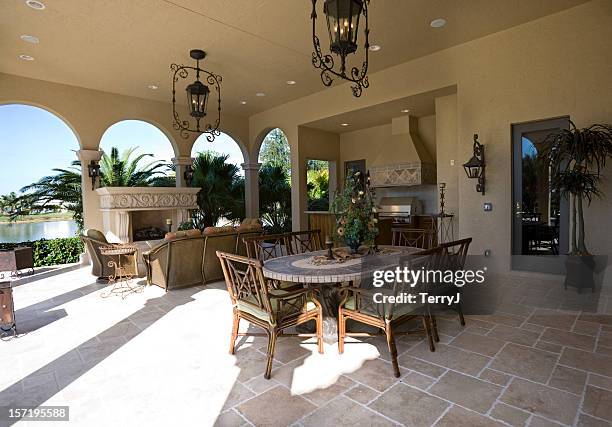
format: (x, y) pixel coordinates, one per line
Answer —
(270, 309)
(358, 304)
(94, 240)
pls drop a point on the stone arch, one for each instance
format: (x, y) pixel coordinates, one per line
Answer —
(49, 110)
(160, 127)
(245, 152)
(259, 139)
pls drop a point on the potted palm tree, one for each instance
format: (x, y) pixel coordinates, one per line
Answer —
(576, 158)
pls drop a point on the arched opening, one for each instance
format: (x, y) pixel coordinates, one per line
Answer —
(275, 182)
(40, 197)
(217, 169)
(136, 154)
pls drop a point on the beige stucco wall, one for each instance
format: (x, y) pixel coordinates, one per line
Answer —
(557, 65)
(446, 139)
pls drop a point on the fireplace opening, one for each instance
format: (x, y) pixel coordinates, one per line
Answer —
(149, 233)
(149, 224)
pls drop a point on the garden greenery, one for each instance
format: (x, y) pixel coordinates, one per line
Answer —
(53, 251)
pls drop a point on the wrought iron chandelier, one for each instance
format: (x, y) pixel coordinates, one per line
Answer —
(198, 94)
(343, 27)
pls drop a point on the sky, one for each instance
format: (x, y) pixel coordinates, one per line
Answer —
(33, 141)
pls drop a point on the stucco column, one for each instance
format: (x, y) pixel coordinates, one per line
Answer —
(92, 217)
(251, 189)
(181, 164)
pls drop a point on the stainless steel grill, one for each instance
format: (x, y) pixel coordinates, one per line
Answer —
(399, 209)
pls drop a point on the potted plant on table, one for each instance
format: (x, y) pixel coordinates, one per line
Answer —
(356, 222)
(576, 158)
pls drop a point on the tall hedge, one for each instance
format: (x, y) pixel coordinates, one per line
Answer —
(52, 252)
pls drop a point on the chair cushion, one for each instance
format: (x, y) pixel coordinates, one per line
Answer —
(249, 305)
(95, 234)
(217, 230)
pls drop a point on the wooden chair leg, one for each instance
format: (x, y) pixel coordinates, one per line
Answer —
(427, 328)
(434, 328)
(341, 332)
(461, 318)
(319, 326)
(235, 327)
(392, 350)
(271, 345)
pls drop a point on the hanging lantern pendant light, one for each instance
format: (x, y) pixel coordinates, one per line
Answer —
(343, 28)
(198, 95)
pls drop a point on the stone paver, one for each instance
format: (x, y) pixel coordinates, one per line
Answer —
(108, 359)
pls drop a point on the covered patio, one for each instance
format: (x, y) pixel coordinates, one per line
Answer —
(445, 80)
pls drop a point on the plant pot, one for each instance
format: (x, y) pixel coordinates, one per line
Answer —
(353, 245)
(580, 272)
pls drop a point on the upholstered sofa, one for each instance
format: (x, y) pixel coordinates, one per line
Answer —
(94, 240)
(188, 258)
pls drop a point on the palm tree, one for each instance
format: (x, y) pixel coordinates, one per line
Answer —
(9, 203)
(275, 198)
(222, 190)
(576, 158)
(121, 171)
(63, 190)
(59, 191)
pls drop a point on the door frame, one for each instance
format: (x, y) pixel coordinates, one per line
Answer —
(518, 260)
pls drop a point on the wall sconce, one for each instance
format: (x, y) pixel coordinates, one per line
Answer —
(93, 169)
(188, 175)
(475, 167)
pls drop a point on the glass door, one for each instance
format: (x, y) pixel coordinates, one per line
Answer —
(540, 214)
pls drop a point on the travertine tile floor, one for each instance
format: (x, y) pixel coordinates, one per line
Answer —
(162, 359)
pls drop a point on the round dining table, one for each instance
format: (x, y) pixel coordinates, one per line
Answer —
(311, 270)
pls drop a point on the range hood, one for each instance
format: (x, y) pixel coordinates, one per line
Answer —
(417, 167)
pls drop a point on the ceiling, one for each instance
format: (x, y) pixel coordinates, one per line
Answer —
(419, 105)
(123, 46)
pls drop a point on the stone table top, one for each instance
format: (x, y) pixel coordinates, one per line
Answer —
(300, 268)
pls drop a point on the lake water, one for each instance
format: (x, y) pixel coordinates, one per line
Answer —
(30, 231)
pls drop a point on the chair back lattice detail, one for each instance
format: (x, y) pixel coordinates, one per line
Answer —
(268, 246)
(305, 241)
(413, 237)
(453, 254)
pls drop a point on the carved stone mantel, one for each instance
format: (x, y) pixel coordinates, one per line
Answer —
(118, 203)
(147, 198)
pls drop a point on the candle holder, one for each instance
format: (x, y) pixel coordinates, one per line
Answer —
(169, 224)
(442, 189)
(329, 244)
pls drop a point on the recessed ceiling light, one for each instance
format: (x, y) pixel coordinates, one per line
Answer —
(26, 57)
(438, 23)
(30, 39)
(260, 94)
(291, 82)
(153, 87)
(405, 110)
(34, 4)
(374, 48)
(242, 102)
(344, 124)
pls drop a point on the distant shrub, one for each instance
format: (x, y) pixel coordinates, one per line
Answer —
(52, 252)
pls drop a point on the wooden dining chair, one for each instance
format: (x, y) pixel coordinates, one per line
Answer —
(451, 258)
(412, 237)
(305, 241)
(358, 304)
(272, 310)
(267, 246)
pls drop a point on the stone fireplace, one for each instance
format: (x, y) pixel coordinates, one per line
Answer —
(132, 214)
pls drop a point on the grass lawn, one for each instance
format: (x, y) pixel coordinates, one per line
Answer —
(55, 216)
